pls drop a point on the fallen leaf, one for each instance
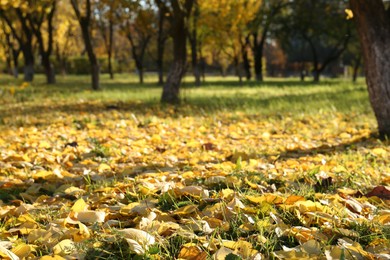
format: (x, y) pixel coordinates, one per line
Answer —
(65, 247)
(90, 216)
(380, 192)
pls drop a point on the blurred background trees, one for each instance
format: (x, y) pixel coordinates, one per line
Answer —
(250, 39)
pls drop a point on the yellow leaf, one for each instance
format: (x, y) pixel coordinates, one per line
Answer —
(65, 247)
(186, 210)
(192, 252)
(82, 234)
(379, 152)
(309, 206)
(293, 198)
(5, 253)
(345, 136)
(44, 144)
(269, 198)
(12, 91)
(22, 250)
(90, 216)
(74, 191)
(49, 257)
(79, 206)
(104, 167)
(243, 248)
(349, 14)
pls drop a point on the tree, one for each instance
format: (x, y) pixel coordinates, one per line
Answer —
(12, 50)
(138, 29)
(353, 56)
(260, 28)
(162, 37)
(229, 22)
(15, 18)
(85, 20)
(67, 41)
(37, 15)
(179, 13)
(105, 11)
(193, 38)
(322, 31)
(373, 19)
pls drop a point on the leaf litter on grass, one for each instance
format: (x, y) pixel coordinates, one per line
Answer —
(115, 185)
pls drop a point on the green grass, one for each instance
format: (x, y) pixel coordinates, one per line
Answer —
(274, 97)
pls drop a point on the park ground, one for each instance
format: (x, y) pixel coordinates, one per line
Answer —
(282, 169)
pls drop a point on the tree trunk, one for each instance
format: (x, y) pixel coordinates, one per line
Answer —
(245, 59)
(171, 89)
(238, 69)
(109, 48)
(110, 71)
(28, 69)
(8, 61)
(195, 63)
(49, 70)
(316, 75)
(160, 45)
(356, 67)
(258, 47)
(95, 70)
(140, 70)
(258, 59)
(160, 71)
(373, 27)
(194, 46)
(15, 57)
(85, 22)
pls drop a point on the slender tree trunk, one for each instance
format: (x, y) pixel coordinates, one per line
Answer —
(110, 71)
(61, 61)
(195, 63)
(258, 47)
(303, 72)
(28, 69)
(110, 47)
(238, 69)
(85, 22)
(160, 46)
(15, 57)
(140, 69)
(245, 59)
(8, 61)
(373, 27)
(95, 69)
(356, 67)
(194, 46)
(95, 74)
(138, 52)
(316, 75)
(202, 68)
(49, 69)
(160, 67)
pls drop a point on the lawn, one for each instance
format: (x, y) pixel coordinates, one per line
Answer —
(282, 169)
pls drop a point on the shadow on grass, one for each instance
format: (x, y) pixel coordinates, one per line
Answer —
(268, 83)
(364, 142)
(203, 105)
